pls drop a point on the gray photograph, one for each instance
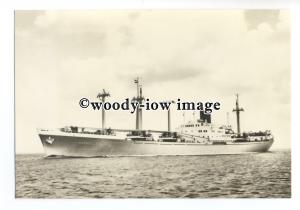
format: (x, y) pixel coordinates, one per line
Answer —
(152, 104)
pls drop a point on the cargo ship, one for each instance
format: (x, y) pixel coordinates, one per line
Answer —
(197, 137)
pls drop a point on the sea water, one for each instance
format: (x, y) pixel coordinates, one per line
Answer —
(262, 175)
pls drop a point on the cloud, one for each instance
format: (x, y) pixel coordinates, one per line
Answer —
(25, 18)
(153, 76)
(157, 76)
(254, 18)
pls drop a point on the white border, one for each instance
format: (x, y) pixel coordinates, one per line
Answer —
(7, 200)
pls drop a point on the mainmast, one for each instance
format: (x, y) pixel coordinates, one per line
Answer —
(139, 99)
(102, 96)
(169, 115)
(238, 110)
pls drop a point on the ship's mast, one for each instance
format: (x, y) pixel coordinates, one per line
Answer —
(139, 99)
(169, 115)
(238, 110)
(140, 110)
(102, 97)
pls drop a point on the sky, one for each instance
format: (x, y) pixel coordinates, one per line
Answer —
(194, 55)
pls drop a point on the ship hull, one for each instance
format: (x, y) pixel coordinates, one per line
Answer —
(76, 146)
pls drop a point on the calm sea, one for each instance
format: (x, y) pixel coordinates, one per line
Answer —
(263, 175)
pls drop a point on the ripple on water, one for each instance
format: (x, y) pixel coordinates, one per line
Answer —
(249, 175)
